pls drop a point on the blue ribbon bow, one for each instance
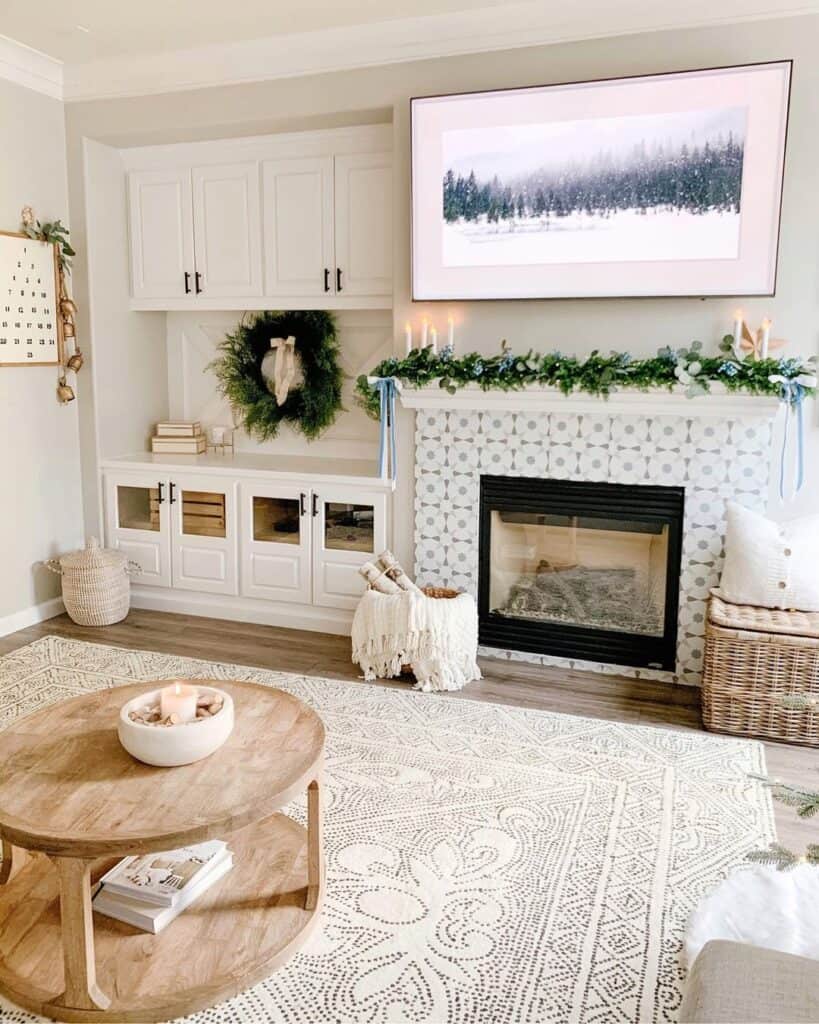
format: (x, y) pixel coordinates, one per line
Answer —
(388, 388)
(791, 393)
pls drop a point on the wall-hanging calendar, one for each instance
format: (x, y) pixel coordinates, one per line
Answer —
(31, 330)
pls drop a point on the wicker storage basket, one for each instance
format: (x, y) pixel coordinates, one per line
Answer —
(96, 584)
(753, 658)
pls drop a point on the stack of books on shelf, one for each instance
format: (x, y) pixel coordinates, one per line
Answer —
(149, 891)
(179, 438)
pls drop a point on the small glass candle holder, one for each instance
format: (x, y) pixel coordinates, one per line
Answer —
(220, 439)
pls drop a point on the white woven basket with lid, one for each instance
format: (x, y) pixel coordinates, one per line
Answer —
(96, 584)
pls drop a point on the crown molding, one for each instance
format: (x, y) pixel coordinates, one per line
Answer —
(30, 68)
(481, 30)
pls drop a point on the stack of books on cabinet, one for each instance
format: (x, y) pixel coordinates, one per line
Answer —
(179, 438)
(150, 890)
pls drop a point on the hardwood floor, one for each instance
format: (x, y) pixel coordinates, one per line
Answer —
(613, 698)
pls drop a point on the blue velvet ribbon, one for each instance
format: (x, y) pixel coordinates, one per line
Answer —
(791, 393)
(388, 388)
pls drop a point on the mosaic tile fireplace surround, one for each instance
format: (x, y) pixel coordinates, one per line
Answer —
(714, 458)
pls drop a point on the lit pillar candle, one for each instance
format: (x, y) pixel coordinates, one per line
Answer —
(433, 340)
(765, 339)
(738, 334)
(424, 332)
(408, 336)
(179, 699)
(450, 337)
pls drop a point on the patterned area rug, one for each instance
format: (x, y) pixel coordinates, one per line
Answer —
(485, 863)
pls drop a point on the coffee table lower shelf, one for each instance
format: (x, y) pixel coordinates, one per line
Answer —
(234, 935)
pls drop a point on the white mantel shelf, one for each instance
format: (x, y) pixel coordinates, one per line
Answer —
(719, 403)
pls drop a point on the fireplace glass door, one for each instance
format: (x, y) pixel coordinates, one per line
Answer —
(583, 570)
(599, 572)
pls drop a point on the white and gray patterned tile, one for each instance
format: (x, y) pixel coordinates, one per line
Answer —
(714, 459)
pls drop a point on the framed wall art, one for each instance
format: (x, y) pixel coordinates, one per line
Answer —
(659, 185)
(31, 330)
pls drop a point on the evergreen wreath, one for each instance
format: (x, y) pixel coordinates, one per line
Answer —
(311, 407)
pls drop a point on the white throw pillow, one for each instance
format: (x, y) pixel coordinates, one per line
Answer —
(768, 564)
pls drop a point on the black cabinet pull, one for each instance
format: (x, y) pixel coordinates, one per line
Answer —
(315, 505)
(197, 278)
(302, 507)
(159, 488)
(338, 279)
(172, 498)
(327, 279)
(187, 283)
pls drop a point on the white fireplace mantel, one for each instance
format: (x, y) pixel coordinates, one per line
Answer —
(719, 403)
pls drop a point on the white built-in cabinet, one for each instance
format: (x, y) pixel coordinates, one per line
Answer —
(302, 218)
(180, 530)
(363, 223)
(294, 541)
(161, 224)
(227, 233)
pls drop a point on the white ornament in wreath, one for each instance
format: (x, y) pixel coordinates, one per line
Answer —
(282, 368)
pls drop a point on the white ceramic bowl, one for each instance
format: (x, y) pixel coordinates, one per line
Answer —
(171, 745)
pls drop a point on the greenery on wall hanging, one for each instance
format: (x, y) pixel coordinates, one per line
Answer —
(306, 392)
(597, 374)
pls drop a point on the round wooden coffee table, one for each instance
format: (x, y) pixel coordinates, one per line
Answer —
(71, 799)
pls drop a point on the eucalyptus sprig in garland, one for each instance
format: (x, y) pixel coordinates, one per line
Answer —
(311, 407)
(597, 374)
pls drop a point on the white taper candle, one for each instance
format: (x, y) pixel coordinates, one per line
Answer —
(738, 334)
(766, 337)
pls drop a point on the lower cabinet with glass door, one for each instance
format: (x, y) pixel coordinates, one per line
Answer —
(297, 542)
(306, 544)
(181, 530)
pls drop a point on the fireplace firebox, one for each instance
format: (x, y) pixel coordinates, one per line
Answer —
(580, 570)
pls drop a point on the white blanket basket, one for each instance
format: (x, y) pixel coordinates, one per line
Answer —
(96, 584)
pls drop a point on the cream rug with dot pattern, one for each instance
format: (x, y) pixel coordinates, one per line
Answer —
(485, 863)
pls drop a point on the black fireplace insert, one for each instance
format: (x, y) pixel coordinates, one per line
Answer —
(580, 570)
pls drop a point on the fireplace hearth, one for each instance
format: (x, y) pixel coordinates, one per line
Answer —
(580, 570)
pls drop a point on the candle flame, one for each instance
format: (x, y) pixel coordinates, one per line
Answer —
(450, 320)
(407, 326)
(766, 323)
(177, 688)
(737, 314)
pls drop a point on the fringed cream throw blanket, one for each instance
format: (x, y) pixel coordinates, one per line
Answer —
(437, 636)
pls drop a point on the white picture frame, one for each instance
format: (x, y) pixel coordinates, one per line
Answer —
(653, 186)
(31, 327)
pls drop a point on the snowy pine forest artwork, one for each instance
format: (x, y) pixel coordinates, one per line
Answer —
(645, 188)
(650, 186)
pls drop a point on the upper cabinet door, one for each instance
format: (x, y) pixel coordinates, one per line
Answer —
(298, 226)
(161, 233)
(363, 199)
(227, 229)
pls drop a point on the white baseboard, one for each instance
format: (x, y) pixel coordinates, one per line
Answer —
(244, 609)
(30, 616)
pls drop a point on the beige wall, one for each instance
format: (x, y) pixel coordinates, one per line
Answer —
(639, 325)
(41, 513)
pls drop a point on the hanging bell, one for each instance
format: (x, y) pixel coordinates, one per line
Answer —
(75, 361)
(67, 308)
(65, 393)
(68, 329)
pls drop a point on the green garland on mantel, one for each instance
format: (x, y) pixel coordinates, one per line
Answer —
(597, 374)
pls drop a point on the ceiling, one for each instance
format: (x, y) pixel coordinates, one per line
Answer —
(82, 30)
(96, 49)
